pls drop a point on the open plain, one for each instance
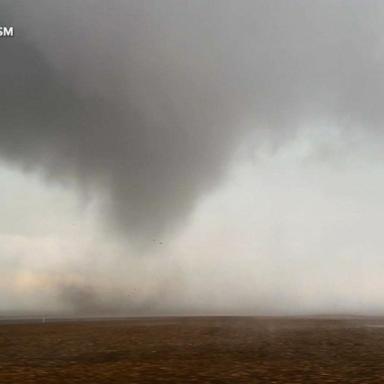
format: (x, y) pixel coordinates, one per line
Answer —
(194, 350)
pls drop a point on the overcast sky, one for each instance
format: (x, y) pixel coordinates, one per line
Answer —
(173, 157)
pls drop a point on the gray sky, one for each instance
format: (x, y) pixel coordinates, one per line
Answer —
(191, 156)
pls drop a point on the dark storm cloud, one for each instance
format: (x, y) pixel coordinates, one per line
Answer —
(143, 102)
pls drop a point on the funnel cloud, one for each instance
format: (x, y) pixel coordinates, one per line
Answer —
(144, 106)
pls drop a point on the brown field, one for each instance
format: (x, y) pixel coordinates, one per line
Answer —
(194, 350)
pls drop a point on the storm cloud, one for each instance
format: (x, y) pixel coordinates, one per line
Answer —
(143, 103)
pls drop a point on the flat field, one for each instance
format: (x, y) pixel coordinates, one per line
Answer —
(194, 350)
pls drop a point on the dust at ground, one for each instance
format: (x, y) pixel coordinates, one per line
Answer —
(194, 350)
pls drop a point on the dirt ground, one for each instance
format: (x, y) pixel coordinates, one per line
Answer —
(194, 350)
